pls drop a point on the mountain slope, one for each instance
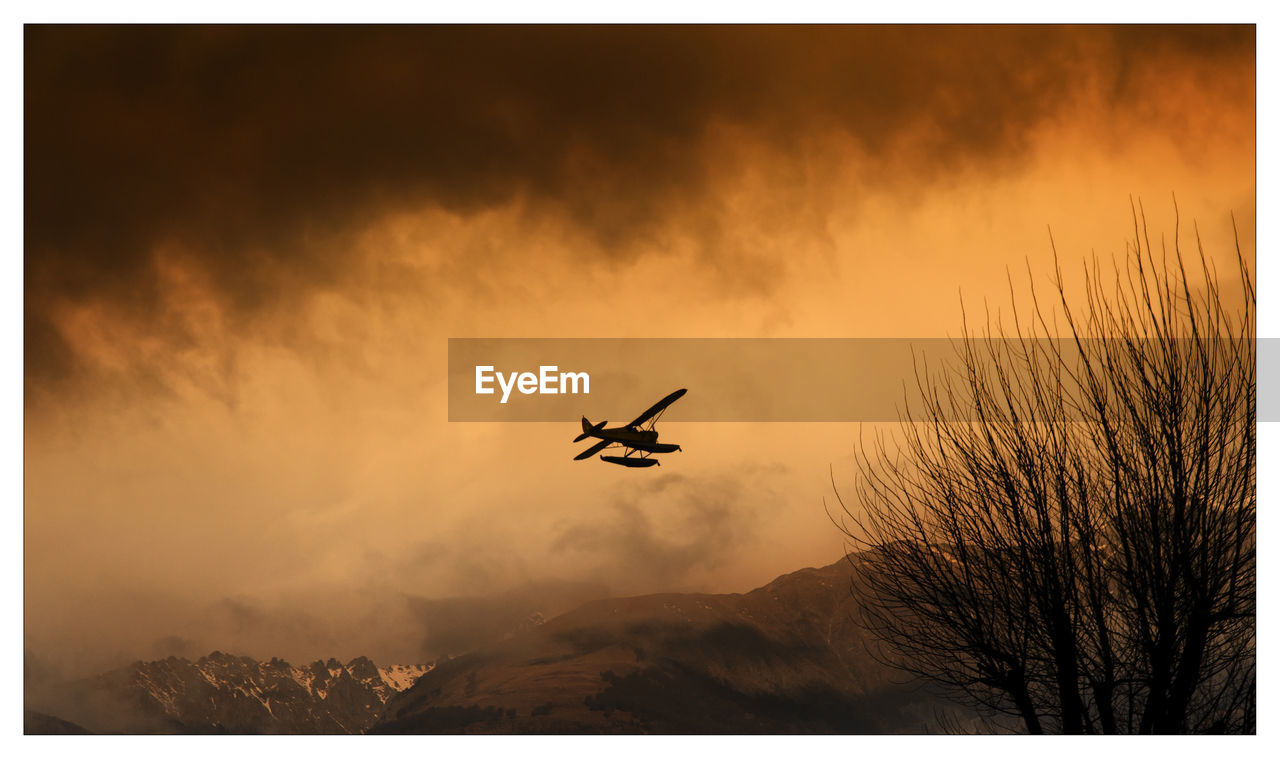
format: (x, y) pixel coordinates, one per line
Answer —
(35, 723)
(221, 693)
(787, 657)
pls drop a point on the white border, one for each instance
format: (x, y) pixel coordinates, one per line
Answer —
(554, 11)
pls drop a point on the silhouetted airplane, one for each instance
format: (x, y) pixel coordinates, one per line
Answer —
(632, 437)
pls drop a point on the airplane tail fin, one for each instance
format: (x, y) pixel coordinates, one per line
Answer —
(586, 431)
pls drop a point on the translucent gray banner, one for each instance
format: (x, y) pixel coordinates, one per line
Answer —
(729, 379)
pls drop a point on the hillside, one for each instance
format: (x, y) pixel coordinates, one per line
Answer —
(787, 657)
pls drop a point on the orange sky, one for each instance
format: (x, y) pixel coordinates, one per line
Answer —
(246, 250)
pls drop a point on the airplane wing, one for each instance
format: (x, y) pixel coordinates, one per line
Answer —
(593, 450)
(658, 407)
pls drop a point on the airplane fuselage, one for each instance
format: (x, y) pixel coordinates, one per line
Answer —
(627, 435)
(640, 440)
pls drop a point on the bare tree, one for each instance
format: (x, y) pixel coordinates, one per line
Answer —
(1065, 533)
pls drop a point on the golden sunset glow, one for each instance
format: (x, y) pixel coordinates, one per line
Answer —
(246, 250)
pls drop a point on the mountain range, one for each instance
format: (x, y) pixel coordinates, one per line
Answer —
(222, 693)
(787, 657)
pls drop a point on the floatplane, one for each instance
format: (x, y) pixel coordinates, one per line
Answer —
(639, 439)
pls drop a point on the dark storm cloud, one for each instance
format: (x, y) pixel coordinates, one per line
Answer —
(263, 150)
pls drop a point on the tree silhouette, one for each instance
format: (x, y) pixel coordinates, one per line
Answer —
(1065, 533)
